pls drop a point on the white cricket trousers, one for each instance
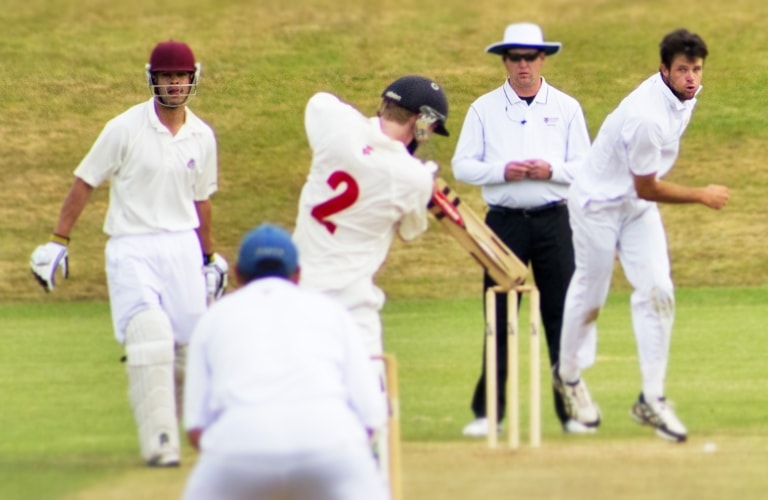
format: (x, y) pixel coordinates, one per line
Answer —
(364, 301)
(344, 473)
(162, 270)
(634, 229)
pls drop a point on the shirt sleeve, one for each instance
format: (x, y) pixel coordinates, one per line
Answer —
(416, 194)
(105, 156)
(206, 182)
(642, 141)
(577, 147)
(468, 159)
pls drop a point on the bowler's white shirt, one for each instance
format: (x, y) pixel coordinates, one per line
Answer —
(640, 137)
(362, 187)
(277, 368)
(155, 177)
(500, 127)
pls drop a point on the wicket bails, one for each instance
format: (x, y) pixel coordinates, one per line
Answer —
(513, 390)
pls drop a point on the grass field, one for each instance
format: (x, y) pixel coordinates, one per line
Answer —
(68, 66)
(66, 429)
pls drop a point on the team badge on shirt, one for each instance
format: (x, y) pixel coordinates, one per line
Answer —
(191, 164)
(367, 150)
(550, 120)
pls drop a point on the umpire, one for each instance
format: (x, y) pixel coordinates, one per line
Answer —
(520, 143)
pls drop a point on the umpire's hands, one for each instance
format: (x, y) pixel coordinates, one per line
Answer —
(44, 262)
(216, 280)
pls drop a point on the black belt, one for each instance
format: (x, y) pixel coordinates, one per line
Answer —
(529, 212)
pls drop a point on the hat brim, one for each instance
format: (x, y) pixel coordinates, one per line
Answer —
(500, 48)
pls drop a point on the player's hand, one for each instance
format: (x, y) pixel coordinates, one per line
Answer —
(216, 277)
(44, 262)
(539, 169)
(516, 171)
(715, 196)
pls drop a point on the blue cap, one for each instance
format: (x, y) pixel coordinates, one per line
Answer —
(267, 251)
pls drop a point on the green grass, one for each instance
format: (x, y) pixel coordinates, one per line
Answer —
(66, 429)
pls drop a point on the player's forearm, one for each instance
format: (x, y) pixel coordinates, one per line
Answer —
(72, 207)
(204, 233)
(669, 192)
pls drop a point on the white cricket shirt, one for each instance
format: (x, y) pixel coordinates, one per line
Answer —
(500, 127)
(641, 137)
(155, 177)
(362, 187)
(276, 368)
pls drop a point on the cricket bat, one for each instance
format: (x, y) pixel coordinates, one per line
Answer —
(476, 237)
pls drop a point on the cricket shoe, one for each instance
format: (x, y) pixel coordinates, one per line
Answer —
(572, 426)
(166, 455)
(578, 403)
(478, 428)
(659, 414)
(164, 460)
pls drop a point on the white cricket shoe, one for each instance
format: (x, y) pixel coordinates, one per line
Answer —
(572, 426)
(578, 403)
(164, 460)
(659, 414)
(166, 455)
(478, 428)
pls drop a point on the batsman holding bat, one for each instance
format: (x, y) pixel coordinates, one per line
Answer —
(613, 204)
(363, 188)
(161, 163)
(522, 143)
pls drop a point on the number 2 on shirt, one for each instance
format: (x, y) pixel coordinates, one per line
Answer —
(343, 200)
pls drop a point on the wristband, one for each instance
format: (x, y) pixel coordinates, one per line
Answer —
(61, 240)
(207, 258)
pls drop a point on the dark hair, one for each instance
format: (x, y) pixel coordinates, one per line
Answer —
(683, 42)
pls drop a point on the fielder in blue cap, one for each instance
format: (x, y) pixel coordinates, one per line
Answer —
(273, 356)
(267, 251)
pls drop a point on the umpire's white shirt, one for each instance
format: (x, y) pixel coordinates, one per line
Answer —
(154, 176)
(500, 127)
(274, 368)
(640, 137)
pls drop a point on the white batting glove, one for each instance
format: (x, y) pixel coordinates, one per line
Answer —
(44, 262)
(216, 280)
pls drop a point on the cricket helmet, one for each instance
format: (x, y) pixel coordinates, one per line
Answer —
(420, 95)
(172, 56)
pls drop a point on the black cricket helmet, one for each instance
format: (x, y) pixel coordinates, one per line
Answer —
(420, 95)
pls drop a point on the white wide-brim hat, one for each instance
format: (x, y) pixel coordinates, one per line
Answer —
(523, 36)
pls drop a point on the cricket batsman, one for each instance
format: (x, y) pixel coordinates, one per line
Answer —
(364, 187)
(161, 163)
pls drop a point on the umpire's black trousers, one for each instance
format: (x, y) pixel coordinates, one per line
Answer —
(541, 237)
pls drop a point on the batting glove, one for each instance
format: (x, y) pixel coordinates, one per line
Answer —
(215, 271)
(46, 259)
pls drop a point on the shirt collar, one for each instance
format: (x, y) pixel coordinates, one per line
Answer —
(541, 95)
(672, 99)
(190, 122)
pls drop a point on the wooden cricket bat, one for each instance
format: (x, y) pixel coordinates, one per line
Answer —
(476, 237)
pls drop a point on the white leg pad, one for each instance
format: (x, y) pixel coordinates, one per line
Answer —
(150, 354)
